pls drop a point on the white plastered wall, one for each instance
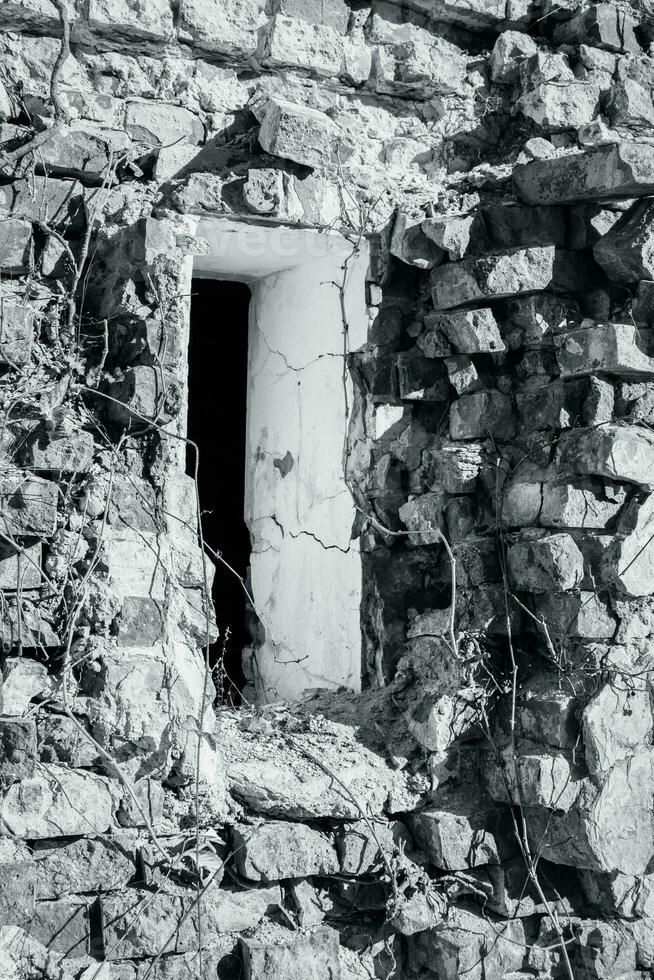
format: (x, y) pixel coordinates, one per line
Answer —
(305, 568)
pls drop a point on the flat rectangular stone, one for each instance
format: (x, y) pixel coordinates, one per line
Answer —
(612, 348)
(28, 505)
(602, 25)
(474, 280)
(624, 453)
(63, 926)
(17, 749)
(462, 831)
(298, 133)
(16, 330)
(15, 243)
(314, 955)
(58, 802)
(20, 571)
(615, 171)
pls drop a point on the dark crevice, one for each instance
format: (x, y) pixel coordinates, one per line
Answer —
(217, 424)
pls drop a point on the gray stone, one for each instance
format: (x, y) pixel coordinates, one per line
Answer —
(140, 622)
(299, 133)
(58, 203)
(626, 252)
(462, 374)
(463, 830)
(287, 42)
(602, 25)
(578, 506)
(333, 13)
(60, 740)
(63, 869)
(312, 955)
(599, 403)
(28, 505)
(74, 153)
(20, 570)
(157, 123)
(622, 453)
(423, 517)
(17, 893)
(16, 329)
(63, 926)
(615, 723)
(482, 414)
(536, 777)
(570, 614)
(471, 331)
(614, 348)
(24, 680)
(469, 944)
(492, 277)
(278, 850)
(509, 226)
(619, 170)
(15, 245)
(359, 851)
(511, 48)
(412, 245)
(136, 924)
(17, 749)
(221, 26)
(147, 19)
(452, 233)
(66, 453)
(560, 106)
(630, 105)
(421, 379)
(550, 564)
(547, 712)
(58, 802)
(628, 562)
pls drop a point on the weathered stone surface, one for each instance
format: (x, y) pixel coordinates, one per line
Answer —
(222, 26)
(547, 712)
(22, 681)
(410, 243)
(333, 13)
(299, 133)
(618, 170)
(571, 614)
(550, 564)
(626, 252)
(560, 106)
(481, 414)
(63, 926)
(492, 277)
(574, 505)
(511, 48)
(463, 831)
(510, 225)
(619, 348)
(359, 852)
(280, 850)
(462, 374)
(16, 330)
(60, 740)
(622, 453)
(17, 749)
(629, 561)
(313, 954)
(15, 244)
(601, 25)
(471, 331)
(136, 924)
(140, 622)
(20, 570)
(423, 518)
(467, 944)
(68, 453)
(28, 505)
(17, 892)
(616, 722)
(630, 105)
(420, 379)
(289, 42)
(536, 778)
(58, 802)
(71, 867)
(452, 233)
(156, 123)
(608, 829)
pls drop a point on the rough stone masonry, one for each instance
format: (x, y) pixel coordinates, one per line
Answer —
(485, 808)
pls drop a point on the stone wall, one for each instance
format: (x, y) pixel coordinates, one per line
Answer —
(484, 807)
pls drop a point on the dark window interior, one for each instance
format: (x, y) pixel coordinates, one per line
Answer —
(216, 423)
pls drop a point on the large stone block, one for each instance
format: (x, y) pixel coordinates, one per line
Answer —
(628, 562)
(148, 19)
(559, 106)
(16, 329)
(62, 869)
(482, 414)
(23, 680)
(510, 49)
(15, 244)
(133, 562)
(469, 944)
(463, 830)
(614, 348)
(222, 26)
(63, 926)
(20, 569)
(423, 516)
(58, 203)
(359, 851)
(332, 13)
(421, 379)
(287, 42)
(626, 252)
(471, 331)
(547, 712)
(580, 506)
(535, 778)
(17, 749)
(278, 850)
(575, 614)
(74, 153)
(17, 892)
(492, 277)
(618, 170)
(609, 828)
(28, 505)
(630, 105)
(58, 802)
(621, 453)
(312, 955)
(615, 723)
(65, 453)
(548, 564)
(136, 924)
(158, 123)
(601, 25)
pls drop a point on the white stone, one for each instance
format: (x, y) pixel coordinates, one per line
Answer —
(615, 722)
(58, 802)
